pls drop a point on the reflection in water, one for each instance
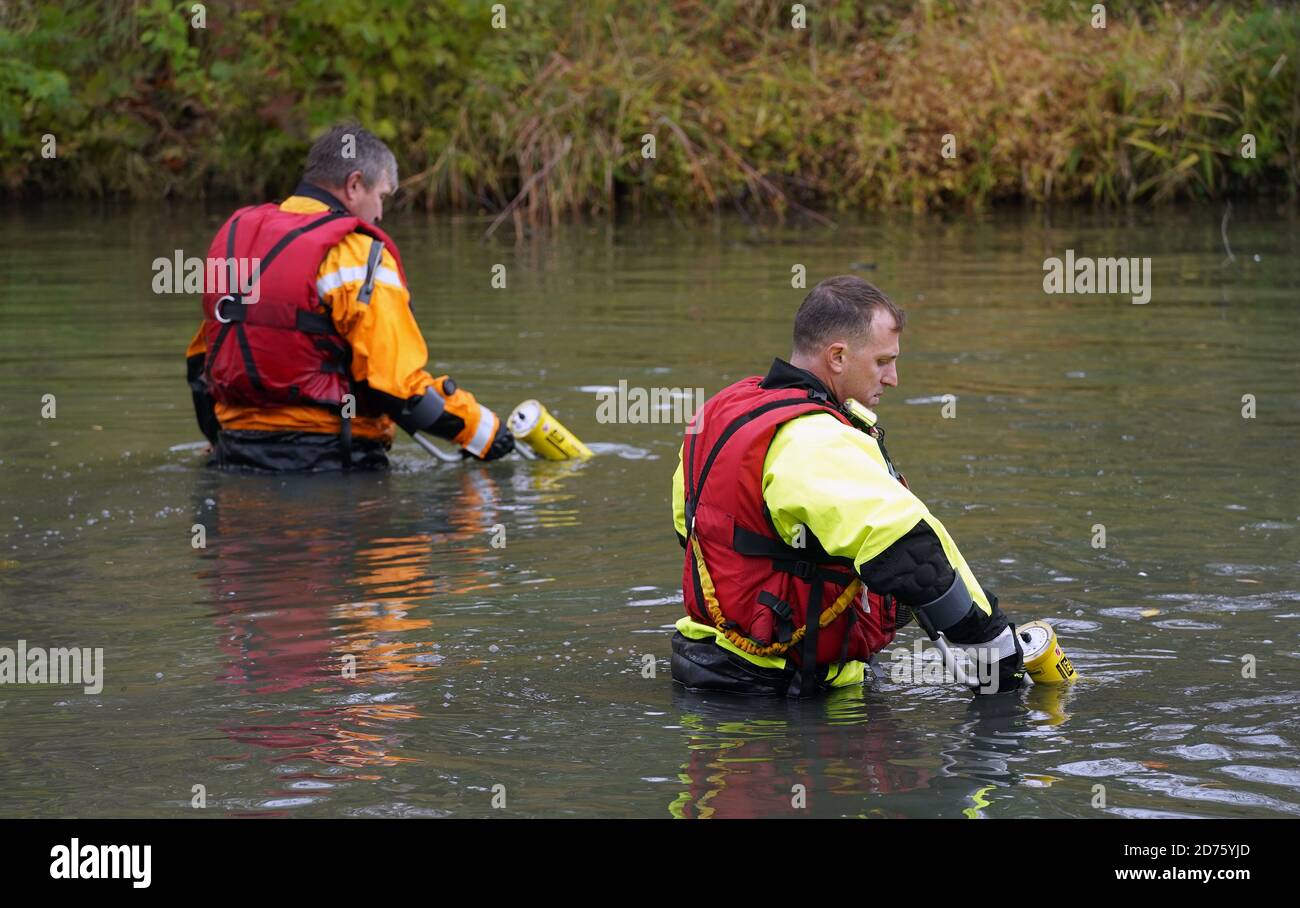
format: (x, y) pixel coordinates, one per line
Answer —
(746, 756)
(478, 664)
(1049, 702)
(279, 549)
(542, 488)
(850, 744)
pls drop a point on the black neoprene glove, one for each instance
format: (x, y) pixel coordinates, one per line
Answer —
(1011, 670)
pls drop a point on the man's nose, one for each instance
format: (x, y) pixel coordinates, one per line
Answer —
(890, 377)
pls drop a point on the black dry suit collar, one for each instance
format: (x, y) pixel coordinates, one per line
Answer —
(784, 375)
(324, 196)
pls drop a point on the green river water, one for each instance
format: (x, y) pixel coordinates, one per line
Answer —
(523, 665)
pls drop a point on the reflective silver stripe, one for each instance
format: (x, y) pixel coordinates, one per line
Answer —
(336, 279)
(483, 435)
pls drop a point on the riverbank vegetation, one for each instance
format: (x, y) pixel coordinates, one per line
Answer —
(932, 105)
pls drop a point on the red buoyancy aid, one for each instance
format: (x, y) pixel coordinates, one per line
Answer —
(281, 350)
(739, 575)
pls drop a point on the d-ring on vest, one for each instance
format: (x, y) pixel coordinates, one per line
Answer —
(287, 351)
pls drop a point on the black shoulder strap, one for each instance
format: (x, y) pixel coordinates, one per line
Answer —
(695, 490)
(231, 308)
(879, 435)
(230, 285)
(294, 234)
(372, 269)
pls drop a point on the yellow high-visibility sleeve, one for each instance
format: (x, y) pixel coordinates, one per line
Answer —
(832, 479)
(679, 497)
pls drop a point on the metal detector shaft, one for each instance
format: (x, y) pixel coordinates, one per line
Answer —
(949, 660)
(448, 457)
(444, 456)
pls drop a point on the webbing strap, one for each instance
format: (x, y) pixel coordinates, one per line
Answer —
(808, 656)
(294, 234)
(313, 322)
(225, 328)
(784, 615)
(372, 269)
(247, 353)
(234, 314)
(696, 488)
(806, 563)
(707, 599)
(233, 309)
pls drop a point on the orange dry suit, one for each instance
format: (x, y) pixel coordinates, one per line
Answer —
(308, 364)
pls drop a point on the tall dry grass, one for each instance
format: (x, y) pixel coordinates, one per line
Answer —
(546, 118)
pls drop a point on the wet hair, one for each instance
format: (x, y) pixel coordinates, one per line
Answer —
(328, 168)
(840, 308)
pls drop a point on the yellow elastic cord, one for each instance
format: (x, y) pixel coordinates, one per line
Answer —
(745, 644)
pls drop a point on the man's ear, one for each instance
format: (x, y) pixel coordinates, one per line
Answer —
(835, 357)
(355, 182)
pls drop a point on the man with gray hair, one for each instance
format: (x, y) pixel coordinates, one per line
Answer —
(311, 364)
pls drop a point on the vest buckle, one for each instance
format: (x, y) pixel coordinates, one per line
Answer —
(804, 570)
(216, 309)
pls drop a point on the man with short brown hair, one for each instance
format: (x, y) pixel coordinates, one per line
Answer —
(805, 550)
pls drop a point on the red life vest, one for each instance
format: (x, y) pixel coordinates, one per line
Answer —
(739, 575)
(282, 350)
